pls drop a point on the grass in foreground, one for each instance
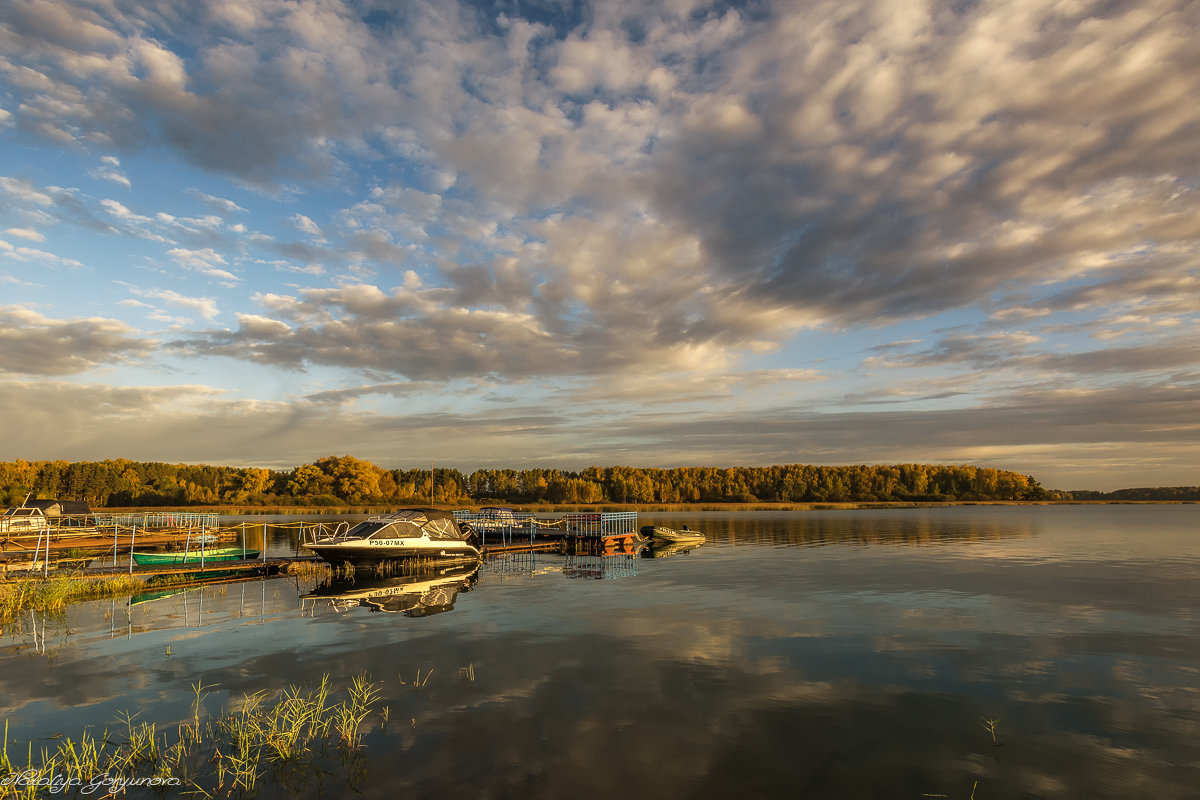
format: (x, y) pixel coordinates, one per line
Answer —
(224, 756)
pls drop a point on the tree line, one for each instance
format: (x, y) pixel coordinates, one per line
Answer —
(345, 480)
(1158, 494)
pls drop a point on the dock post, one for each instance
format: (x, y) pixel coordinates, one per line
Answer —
(264, 547)
(243, 541)
(132, 537)
(114, 544)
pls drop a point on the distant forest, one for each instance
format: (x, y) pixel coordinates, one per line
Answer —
(345, 480)
(1155, 494)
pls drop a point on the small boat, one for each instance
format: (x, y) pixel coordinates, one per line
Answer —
(411, 533)
(146, 559)
(665, 534)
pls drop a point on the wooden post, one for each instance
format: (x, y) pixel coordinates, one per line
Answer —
(132, 537)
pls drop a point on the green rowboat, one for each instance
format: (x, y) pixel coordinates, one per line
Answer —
(193, 556)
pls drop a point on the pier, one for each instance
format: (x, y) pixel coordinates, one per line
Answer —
(102, 545)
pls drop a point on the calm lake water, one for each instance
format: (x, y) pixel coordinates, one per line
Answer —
(841, 654)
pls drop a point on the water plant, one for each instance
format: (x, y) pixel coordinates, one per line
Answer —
(223, 756)
(417, 682)
(54, 594)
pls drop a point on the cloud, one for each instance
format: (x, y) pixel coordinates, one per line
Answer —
(109, 170)
(705, 198)
(32, 344)
(205, 307)
(840, 169)
(306, 225)
(204, 261)
(33, 255)
(26, 233)
(1064, 438)
(220, 204)
(23, 190)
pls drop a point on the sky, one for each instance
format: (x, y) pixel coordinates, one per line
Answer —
(653, 233)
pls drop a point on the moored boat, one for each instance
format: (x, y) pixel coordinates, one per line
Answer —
(193, 556)
(665, 534)
(411, 533)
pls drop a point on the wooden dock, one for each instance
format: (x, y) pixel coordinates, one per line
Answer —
(66, 552)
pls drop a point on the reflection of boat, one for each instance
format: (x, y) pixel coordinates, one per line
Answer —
(665, 534)
(414, 532)
(147, 597)
(425, 592)
(193, 556)
(663, 549)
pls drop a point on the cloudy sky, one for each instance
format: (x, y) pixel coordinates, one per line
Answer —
(654, 232)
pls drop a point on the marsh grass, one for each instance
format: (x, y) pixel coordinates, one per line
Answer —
(55, 594)
(288, 738)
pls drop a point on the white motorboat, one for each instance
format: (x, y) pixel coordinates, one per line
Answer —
(412, 533)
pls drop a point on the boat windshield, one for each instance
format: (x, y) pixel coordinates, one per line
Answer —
(409, 524)
(365, 530)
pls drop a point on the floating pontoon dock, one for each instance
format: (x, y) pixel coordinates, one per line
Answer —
(113, 536)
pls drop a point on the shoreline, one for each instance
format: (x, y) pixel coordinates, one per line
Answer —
(851, 505)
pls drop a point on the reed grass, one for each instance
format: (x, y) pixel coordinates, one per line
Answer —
(54, 594)
(227, 755)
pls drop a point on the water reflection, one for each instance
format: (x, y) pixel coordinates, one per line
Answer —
(601, 567)
(419, 594)
(860, 669)
(915, 527)
(668, 549)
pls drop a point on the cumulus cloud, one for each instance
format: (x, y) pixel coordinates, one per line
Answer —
(843, 168)
(32, 344)
(649, 190)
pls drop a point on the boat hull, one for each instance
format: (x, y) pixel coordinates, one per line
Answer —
(193, 556)
(370, 554)
(664, 534)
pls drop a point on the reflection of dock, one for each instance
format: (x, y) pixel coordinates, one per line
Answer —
(601, 567)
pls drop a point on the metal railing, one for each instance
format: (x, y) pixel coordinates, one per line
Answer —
(601, 524)
(502, 526)
(159, 519)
